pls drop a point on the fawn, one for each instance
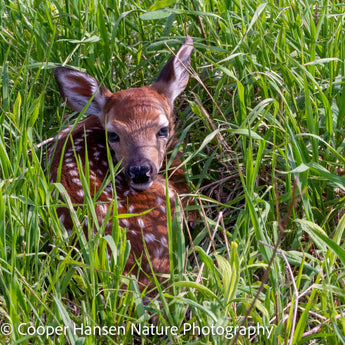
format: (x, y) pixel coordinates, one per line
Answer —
(136, 124)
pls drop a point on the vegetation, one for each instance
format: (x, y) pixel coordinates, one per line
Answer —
(262, 123)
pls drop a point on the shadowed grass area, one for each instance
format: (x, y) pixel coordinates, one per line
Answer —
(262, 129)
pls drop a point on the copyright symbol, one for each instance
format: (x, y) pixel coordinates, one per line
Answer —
(6, 329)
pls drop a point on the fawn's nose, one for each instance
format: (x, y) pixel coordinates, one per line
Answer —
(140, 174)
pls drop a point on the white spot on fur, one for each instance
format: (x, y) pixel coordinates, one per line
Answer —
(134, 233)
(158, 252)
(80, 193)
(68, 160)
(100, 172)
(69, 154)
(79, 141)
(126, 193)
(159, 200)
(162, 208)
(124, 223)
(105, 193)
(149, 238)
(62, 218)
(91, 164)
(96, 154)
(141, 223)
(78, 148)
(70, 165)
(103, 208)
(76, 181)
(131, 209)
(105, 163)
(164, 241)
(73, 172)
(170, 191)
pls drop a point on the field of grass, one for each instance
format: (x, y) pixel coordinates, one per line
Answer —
(264, 154)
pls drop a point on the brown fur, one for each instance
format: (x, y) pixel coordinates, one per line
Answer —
(155, 222)
(137, 116)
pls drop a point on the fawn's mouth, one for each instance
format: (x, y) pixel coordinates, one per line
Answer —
(141, 186)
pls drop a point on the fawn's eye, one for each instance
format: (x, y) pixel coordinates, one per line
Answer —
(163, 132)
(113, 137)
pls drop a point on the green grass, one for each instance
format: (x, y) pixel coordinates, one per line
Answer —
(263, 120)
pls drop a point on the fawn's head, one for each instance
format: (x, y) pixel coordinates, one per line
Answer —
(138, 121)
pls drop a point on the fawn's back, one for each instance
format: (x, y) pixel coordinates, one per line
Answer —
(136, 125)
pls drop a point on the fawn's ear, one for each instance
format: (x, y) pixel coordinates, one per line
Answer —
(77, 88)
(174, 76)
